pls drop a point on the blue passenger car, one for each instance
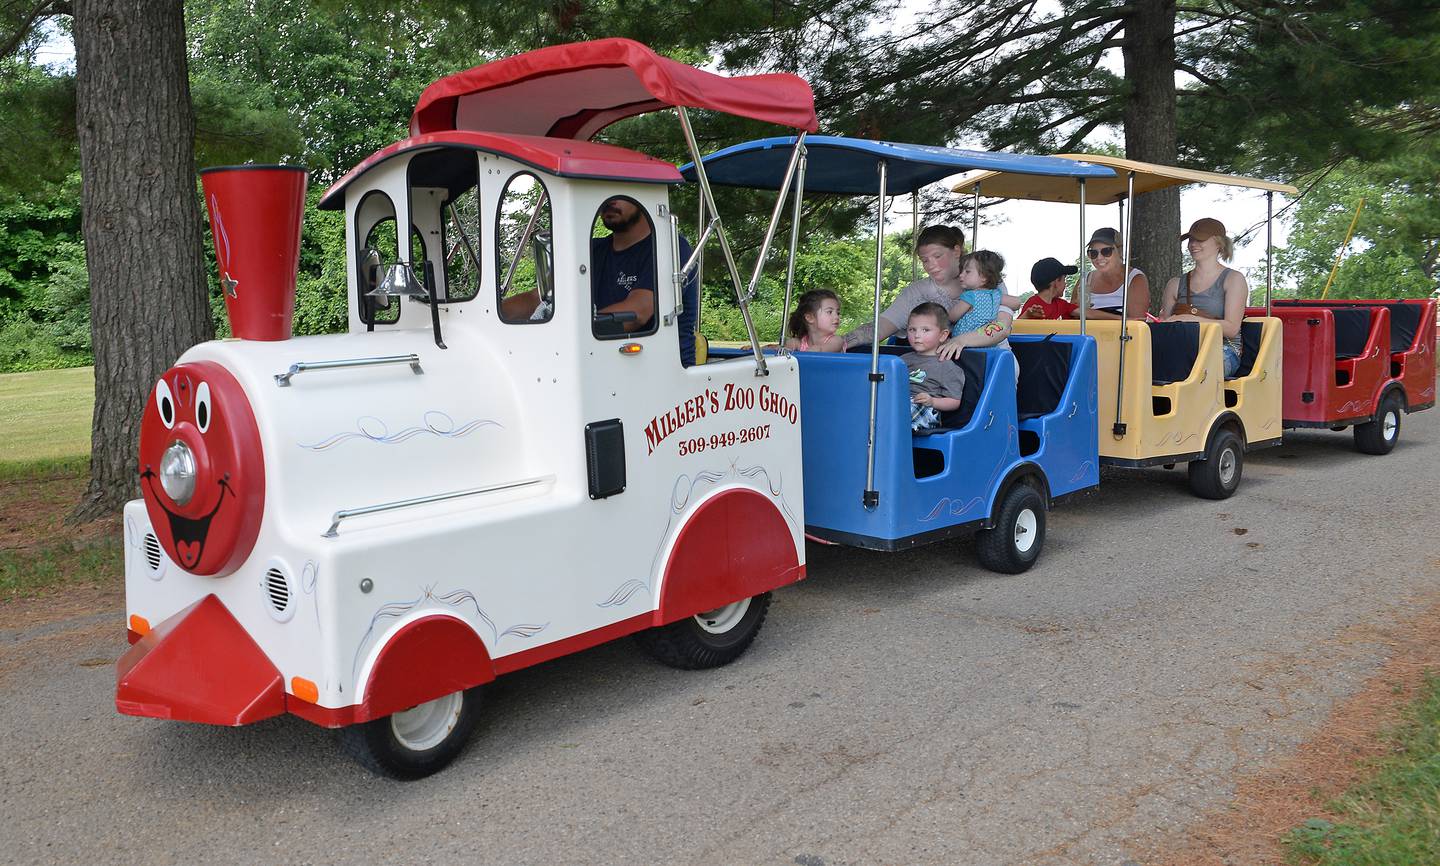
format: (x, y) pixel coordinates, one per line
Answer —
(1000, 460)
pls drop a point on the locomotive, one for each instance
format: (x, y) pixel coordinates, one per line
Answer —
(362, 529)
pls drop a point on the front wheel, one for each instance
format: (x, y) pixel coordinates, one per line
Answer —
(1014, 543)
(1379, 436)
(709, 639)
(1218, 475)
(417, 742)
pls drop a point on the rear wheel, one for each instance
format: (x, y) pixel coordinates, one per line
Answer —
(1379, 436)
(1014, 543)
(417, 742)
(709, 639)
(1218, 475)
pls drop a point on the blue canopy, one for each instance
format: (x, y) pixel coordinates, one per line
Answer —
(846, 166)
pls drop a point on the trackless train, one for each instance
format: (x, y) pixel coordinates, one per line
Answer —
(496, 465)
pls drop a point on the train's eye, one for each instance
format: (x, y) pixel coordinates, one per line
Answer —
(202, 407)
(165, 403)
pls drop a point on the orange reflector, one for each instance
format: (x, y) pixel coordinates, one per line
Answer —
(304, 690)
(631, 349)
(139, 624)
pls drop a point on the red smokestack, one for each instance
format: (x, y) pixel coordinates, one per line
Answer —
(255, 217)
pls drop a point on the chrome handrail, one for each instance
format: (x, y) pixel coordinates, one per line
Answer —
(283, 379)
(677, 272)
(347, 513)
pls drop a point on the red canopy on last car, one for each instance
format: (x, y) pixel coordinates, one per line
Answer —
(576, 90)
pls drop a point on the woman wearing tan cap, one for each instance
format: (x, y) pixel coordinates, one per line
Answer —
(1211, 292)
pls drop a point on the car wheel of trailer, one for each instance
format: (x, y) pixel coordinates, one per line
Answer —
(416, 742)
(1218, 475)
(1379, 436)
(1014, 543)
(708, 639)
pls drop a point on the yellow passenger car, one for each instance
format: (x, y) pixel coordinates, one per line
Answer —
(1163, 396)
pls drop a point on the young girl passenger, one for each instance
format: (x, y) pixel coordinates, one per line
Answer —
(815, 324)
(988, 320)
(986, 315)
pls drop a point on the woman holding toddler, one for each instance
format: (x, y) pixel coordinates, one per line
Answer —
(940, 249)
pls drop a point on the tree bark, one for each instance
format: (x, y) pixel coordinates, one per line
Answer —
(1149, 56)
(141, 222)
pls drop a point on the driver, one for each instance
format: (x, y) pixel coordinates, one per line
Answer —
(622, 275)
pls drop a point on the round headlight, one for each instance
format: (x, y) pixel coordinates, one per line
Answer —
(177, 472)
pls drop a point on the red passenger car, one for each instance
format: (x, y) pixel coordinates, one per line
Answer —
(1357, 363)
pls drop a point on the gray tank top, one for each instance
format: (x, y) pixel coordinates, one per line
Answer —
(1210, 302)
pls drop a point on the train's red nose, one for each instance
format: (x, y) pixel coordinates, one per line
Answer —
(202, 471)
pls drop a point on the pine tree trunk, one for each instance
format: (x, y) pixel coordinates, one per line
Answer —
(141, 221)
(1149, 55)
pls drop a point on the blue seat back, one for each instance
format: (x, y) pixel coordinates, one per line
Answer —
(1044, 370)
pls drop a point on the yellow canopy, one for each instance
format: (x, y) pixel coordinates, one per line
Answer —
(1148, 177)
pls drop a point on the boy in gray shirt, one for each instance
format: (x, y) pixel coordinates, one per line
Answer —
(936, 385)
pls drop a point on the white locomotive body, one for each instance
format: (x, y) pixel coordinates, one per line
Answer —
(485, 473)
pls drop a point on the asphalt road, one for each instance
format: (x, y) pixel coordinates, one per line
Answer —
(897, 708)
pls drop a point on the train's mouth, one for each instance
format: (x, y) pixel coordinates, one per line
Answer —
(189, 533)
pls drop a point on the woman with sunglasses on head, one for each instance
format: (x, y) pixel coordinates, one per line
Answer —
(1211, 292)
(1109, 288)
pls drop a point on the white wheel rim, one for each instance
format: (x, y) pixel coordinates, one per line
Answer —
(722, 619)
(1391, 425)
(1026, 526)
(1227, 466)
(427, 726)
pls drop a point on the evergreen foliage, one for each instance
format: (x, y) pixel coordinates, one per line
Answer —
(1344, 91)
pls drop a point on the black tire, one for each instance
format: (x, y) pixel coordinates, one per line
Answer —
(709, 639)
(1218, 475)
(386, 747)
(1014, 544)
(1380, 435)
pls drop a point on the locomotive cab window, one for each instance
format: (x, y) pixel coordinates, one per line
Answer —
(461, 233)
(524, 252)
(445, 208)
(375, 222)
(623, 278)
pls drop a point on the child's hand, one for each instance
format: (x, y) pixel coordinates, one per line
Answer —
(922, 398)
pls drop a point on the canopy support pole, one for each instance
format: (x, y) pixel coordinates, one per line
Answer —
(1082, 291)
(871, 497)
(1119, 429)
(699, 255)
(914, 235)
(794, 242)
(975, 220)
(709, 198)
(1269, 244)
(775, 213)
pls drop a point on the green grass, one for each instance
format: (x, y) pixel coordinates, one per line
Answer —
(97, 562)
(45, 419)
(39, 552)
(1393, 819)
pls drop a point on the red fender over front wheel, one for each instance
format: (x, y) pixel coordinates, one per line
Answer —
(429, 658)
